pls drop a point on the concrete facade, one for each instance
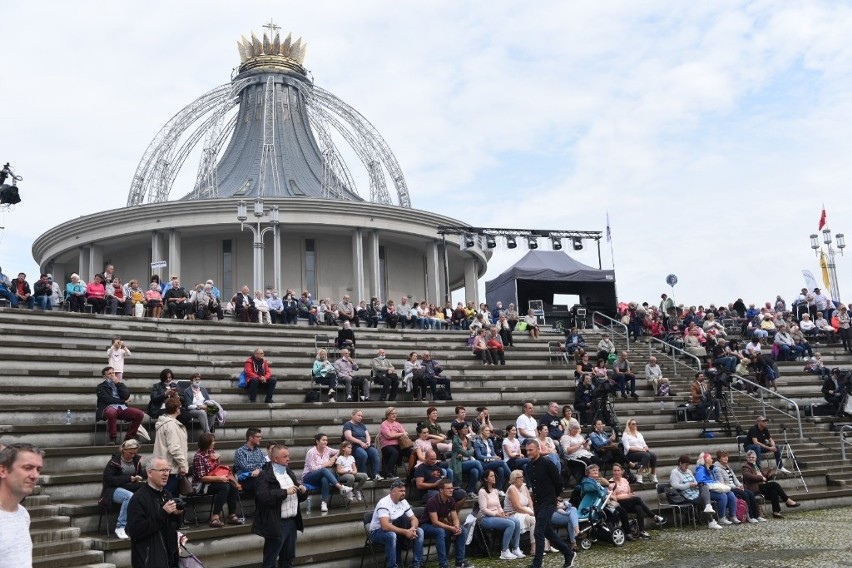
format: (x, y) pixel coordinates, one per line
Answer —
(361, 249)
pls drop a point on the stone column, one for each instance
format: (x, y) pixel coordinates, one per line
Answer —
(96, 262)
(357, 266)
(371, 261)
(157, 254)
(433, 274)
(83, 269)
(174, 253)
(471, 281)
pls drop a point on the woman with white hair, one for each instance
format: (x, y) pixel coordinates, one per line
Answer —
(762, 481)
(518, 505)
(76, 293)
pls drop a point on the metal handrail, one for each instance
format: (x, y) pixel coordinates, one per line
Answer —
(612, 325)
(763, 403)
(843, 440)
(666, 346)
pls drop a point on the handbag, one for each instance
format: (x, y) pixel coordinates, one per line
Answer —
(719, 487)
(242, 383)
(405, 442)
(185, 485)
(522, 326)
(190, 560)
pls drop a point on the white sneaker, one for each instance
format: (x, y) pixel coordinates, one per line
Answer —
(724, 521)
(784, 470)
(639, 479)
(344, 489)
(120, 533)
(761, 520)
(713, 525)
(653, 478)
(323, 507)
(330, 392)
(517, 552)
(507, 555)
(753, 521)
(736, 521)
(709, 508)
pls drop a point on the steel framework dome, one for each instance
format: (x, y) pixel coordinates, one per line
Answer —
(280, 142)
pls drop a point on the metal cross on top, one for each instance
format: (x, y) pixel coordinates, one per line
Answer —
(272, 27)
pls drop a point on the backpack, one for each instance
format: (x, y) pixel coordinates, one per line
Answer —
(312, 396)
(742, 510)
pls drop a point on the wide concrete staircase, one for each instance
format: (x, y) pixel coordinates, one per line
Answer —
(52, 364)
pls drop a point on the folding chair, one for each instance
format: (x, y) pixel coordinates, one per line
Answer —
(677, 509)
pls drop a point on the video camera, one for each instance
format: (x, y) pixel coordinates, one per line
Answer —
(9, 193)
(603, 388)
(180, 503)
(717, 381)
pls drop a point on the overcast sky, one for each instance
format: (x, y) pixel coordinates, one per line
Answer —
(712, 132)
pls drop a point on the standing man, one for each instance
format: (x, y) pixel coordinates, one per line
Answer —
(546, 486)
(258, 372)
(153, 519)
(760, 440)
(526, 424)
(440, 522)
(278, 517)
(20, 467)
(112, 406)
(249, 460)
(385, 375)
(392, 520)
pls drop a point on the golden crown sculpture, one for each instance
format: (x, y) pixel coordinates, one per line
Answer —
(271, 45)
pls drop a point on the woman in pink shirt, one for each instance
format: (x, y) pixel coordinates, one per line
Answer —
(96, 294)
(632, 503)
(391, 431)
(154, 300)
(319, 462)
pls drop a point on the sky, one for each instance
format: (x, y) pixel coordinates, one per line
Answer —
(711, 133)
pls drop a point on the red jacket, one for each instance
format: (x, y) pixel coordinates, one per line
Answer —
(251, 375)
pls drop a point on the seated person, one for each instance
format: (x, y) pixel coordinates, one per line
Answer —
(318, 471)
(346, 338)
(807, 326)
(290, 306)
(723, 473)
(160, 391)
(244, 307)
(373, 313)
(630, 502)
(210, 477)
(177, 301)
(75, 291)
(726, 501)
(480, 347)
(701, 399)
(345, 368)
(816, 366)
(605, 347)
(653, 374)
(493, 517)
(123, 475)
(257, 373)
(683, 481)
(393, 523)
(385, 375)
(623, 374)
(348, 473)
(323, 373)
(356, 433)
(823, 326)
(95, 294)
(263, 315)
(484, 452)
(440, 522)
(464, 460)
(763, 481)
(154, 300)
(606, 446)
(575, 446)
(432, 374)
(494, 343)
(112, 406)
(800, 340)
(42, 291)
(593, 486)
(532, 324)
(584, 399)
(833, 390)
(429, 475)
(275, 307)
(573, 341)
(390, 315)
(195, 401)
(249, 460)
(346, 311)
(789, 351)
(306, 308)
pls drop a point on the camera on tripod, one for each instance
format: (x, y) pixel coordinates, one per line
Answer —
(717, 381)
(603, 388)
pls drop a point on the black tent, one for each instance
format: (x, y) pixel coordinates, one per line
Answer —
(541, 274)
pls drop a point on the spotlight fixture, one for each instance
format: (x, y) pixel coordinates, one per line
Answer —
(577, 243)
(557, 243)
(511, 242)
(533, 242)
(469, 241)
(490, 241)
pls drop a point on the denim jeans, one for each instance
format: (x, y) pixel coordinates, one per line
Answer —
(511, 528)
(442, 538)
(474, 470)
(567, 518)
(322, 477)
(122, 496)
(280, 552)
(361, 457)
(388, 540)
(43, 302)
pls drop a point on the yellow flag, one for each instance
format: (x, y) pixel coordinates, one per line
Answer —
(824, 266)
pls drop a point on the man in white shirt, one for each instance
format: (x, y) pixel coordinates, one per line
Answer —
(393, 520)
(526, 424)
(20, 467)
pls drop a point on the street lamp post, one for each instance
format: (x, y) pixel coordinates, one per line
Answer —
(832, 268)
(259, 232)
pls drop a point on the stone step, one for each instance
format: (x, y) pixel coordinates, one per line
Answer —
(73, 559)
(44, 533)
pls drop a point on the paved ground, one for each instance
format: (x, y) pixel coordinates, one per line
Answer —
(820, 538)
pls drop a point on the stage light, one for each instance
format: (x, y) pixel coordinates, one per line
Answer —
(490, 241)
(557, 243)
(577, 243)
(533, 242)
(511, 242)
(469, 241)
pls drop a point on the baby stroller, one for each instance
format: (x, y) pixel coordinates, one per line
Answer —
(594, 522)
